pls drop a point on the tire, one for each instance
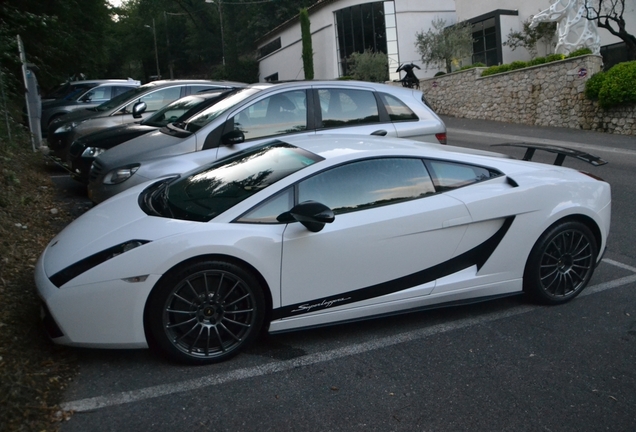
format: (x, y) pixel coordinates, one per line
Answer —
(561, 263)
(205, 312)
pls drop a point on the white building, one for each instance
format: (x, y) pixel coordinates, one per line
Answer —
(341, 27)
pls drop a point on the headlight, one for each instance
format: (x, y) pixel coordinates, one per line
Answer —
(120, 174)
(92, 152)
(70, 272)
(67, 127)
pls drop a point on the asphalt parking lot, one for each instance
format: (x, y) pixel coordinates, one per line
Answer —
(502, 365)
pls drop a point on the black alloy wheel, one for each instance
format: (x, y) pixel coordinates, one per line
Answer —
(561, 263)
(207, 312)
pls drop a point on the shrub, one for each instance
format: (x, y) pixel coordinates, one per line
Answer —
(440, 73)
(594, 84)
(496, 69)
(554, 57)
(369, 66)
(618, 87)
(580, 52)
(474, 65)
(518, 65)
(537, 61)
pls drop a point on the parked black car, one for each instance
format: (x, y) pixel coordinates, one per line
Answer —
(82, 95)
(125, 108)
(85, 149)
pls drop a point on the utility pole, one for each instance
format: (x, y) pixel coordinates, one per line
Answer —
(154, 35)
(218, 5)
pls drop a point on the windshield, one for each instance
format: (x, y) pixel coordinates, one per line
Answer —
(124, 97)
(67, 89)
(209, 192)
(171, 112)
(206, 116)
(184, 108)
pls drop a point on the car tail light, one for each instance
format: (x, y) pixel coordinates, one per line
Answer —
(441, 137)
(595, 177)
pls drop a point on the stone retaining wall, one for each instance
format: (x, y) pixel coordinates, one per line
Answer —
(545, 95)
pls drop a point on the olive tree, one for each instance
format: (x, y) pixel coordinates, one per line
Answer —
(608, 14)
(442, 45)
(529, 37)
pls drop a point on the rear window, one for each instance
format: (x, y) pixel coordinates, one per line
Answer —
(398, 110)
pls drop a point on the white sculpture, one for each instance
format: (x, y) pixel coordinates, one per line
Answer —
(574, 30)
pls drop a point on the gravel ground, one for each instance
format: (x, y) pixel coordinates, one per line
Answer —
(33, 371)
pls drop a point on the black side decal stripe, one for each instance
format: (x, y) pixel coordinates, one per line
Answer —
(476, 256)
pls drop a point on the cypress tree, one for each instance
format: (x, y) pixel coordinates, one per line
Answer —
(308, 53)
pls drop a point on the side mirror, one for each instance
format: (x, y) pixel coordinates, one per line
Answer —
(233, 137)
(313, 215)
(138, 109)
(85, 98)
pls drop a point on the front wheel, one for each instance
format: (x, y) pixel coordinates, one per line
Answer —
(206, 312)
(561, 263)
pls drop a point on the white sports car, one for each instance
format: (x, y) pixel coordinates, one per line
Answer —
(314, 231)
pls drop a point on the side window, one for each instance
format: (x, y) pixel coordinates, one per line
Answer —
(270, 209)
(398, 110)
(117, 90)
(451, 175)
(278, 114)
(98, 94)
(346, 107)
(198, 88)
(368, 184)
(157, 99)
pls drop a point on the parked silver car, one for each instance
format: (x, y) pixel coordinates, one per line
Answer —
(66, 88)
(83, 94)
(260, 112)
(126, 108)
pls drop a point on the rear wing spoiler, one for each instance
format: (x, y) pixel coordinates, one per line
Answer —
(561, 153)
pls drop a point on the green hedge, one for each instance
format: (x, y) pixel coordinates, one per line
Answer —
(472, 66)
(492, 70)
(614, 87)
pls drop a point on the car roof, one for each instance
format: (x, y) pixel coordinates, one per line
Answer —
(327, 83)
(338, 145)
(165, 83)
(104, 81)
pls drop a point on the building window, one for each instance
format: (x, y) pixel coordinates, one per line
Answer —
(614, 54)
(270, 48)
(272, 78)
(487, 37)
(359, 28)
(485, 42)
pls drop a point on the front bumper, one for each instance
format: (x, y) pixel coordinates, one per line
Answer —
(106, 314)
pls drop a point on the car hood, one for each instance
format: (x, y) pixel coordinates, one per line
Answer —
(111, 223)
(110, 137)
(148, 146)
(78, 115)
(55, 103)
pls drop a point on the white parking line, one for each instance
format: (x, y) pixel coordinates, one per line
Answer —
(521, 138)
(94, 403)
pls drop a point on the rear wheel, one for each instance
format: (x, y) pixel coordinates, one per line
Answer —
(561, 263)
(207, 312)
